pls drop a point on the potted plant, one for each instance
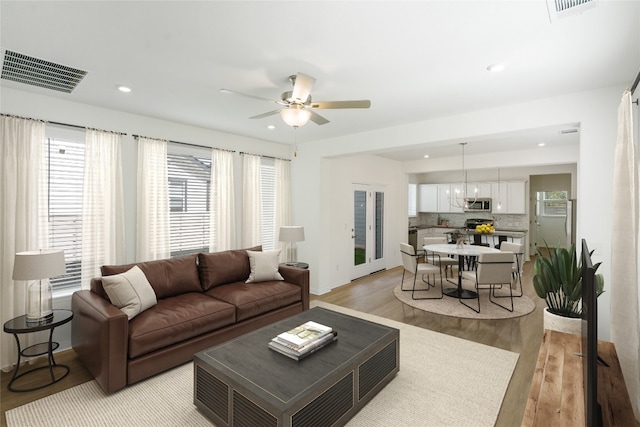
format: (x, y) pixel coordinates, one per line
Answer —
(557, 278)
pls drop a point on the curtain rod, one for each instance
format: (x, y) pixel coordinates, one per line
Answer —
(184, 143)
(64, 124)
(635, 83)
(268, 157)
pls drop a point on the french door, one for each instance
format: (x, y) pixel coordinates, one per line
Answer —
(367, 231)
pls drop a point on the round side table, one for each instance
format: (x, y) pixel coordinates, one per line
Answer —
(19, 325)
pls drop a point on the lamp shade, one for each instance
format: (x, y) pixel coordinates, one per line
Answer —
(291, 233)
(295, 116)
(37, 265)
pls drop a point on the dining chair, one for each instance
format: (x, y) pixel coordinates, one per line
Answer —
(442, 261)
(411, 264)
(492, 271)
(518, 261)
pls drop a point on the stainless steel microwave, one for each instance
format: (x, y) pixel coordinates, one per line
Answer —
(478, 205)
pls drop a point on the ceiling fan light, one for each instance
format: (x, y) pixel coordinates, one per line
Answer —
(295, 117)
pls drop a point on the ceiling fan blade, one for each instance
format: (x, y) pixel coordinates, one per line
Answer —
(270, 113)
(302, 87)
(246, 95)
(364, 103)
(317, 118)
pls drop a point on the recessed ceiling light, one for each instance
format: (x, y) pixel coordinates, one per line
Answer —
(271, 127)
(494, 68)
(426, 156)
(541, 144)
(124, 89)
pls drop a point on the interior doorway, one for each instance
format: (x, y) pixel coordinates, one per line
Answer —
(367, 231)
(553, 212)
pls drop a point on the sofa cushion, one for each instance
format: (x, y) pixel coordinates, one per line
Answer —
(264, 266)
(219, 268)
(254, 299)
(176, 319)
(130, 291)
(168, 277)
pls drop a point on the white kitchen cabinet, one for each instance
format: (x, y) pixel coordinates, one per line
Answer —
(445, 192)
(484, 190)
(428, 198)
(422, 233)
(511, 194)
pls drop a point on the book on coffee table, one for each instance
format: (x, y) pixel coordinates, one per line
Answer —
(305, 350)
(303, 335)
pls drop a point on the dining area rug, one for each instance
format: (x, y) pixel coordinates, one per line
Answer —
(443, 381)
(448, 306)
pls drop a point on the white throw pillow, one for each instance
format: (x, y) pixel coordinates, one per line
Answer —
(264, 266)
(130, 291)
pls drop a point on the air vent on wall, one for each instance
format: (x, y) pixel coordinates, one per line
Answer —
(563, 8)
(38, 72)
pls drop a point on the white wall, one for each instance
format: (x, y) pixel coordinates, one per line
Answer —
(595, 112)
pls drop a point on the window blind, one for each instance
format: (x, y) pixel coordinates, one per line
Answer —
(268, 178)
(63, 177)
(189, 197)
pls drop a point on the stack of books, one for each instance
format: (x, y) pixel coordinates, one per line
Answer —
(301, 341)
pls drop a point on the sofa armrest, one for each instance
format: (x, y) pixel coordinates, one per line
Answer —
(99, 336)
(297, 276)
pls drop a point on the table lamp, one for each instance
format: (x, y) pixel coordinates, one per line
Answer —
(291, 234)
(39, 266)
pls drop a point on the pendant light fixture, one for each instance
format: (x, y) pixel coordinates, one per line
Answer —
(499, 192)
(459, 198)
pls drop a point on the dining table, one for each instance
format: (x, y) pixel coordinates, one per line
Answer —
(461, 251)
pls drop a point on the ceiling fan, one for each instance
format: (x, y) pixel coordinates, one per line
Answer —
(297, 106)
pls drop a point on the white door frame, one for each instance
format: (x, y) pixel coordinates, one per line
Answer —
(372, 261)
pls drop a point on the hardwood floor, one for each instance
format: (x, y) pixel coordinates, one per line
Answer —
(374, 294)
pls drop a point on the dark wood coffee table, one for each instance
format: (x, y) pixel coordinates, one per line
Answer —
(244, 383)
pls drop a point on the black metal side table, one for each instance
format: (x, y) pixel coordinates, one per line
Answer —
(19, 325)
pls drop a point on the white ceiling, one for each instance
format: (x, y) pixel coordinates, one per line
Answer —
(414, 60)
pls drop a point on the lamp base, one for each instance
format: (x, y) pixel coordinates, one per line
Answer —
(39, 302)
(34, 321)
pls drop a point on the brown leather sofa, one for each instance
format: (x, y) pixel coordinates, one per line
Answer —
(202, 300)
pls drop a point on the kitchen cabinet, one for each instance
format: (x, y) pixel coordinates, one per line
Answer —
(428, 198)
(484, 190)
(511, 194)
(422, 233)
(445, 192)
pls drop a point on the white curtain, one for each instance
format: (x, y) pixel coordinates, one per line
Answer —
(282, 201)
(625, 324)
(152, 224)
(21, 147)
(102, 204)
(251, 201)
(222, 235)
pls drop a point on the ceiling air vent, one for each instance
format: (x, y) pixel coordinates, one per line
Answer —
(37, 72)
(563, 8)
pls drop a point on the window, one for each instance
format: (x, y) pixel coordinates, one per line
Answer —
(413, 188)
(62, 178)
(189, 196)
(553, 203)
(268, 179)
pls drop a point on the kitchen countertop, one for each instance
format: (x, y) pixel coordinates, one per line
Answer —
(498, 232)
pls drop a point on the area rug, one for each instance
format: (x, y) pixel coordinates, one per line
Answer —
(449, 306)
(443, 381)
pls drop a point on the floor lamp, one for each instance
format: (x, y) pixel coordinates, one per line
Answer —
(291, 234)
(39, 266)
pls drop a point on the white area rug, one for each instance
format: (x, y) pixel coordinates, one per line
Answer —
(443, 381)
(449, 306)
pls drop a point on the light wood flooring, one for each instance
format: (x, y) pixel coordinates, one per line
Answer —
(374, 294)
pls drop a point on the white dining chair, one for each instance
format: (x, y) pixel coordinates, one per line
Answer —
(492, 271)
(443, 261)
(518, 261)
(411, 264)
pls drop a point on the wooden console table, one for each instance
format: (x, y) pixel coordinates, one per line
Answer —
(556, 397)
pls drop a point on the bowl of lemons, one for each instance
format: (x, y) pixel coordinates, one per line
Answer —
(485, 229)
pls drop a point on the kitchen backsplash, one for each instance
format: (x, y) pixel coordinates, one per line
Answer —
(457, 220)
